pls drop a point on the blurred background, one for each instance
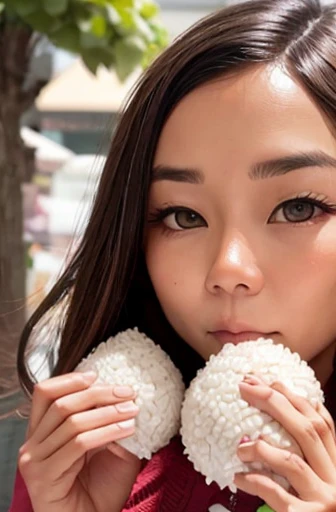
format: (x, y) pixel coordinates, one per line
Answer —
(70, 126)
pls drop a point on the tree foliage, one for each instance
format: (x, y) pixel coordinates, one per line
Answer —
(116, 33)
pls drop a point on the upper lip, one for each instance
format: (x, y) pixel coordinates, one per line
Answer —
(237, 328)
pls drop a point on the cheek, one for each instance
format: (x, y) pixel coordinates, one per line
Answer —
(175, 274)
(311, 296)
(316, 269)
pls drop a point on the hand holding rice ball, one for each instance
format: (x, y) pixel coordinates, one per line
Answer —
(132, 359)
(215, 418)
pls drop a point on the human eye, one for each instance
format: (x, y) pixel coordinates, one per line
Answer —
(302, 209)
(177, 218)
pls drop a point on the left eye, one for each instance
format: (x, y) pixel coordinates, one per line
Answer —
(184, 219)
(296, 210)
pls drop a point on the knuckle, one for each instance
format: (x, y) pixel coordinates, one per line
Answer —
(309, 431)
(95, 394)
(295, 460)
(258, 448)
(278, 386)
(22, 450)
(264, 484)
(60, 408)
(81, 379)
(80, 443)
(24, 462)
(321, 427)
(74, 425)
(39, 389)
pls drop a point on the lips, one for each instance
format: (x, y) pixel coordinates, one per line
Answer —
(238, 337)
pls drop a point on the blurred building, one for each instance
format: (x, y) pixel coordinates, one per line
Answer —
(78, 110)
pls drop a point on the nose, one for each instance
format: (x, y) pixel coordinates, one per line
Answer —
(234, 269)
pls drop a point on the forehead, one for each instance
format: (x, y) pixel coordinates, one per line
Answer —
(258, 109)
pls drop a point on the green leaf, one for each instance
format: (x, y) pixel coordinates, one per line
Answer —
(96, 56)
(122, 4)
(82, 12)
(112, 15)
(2, 7)
(128, 54)
(55, 7)
(161, 34)
(127, 23)
(143, 28)
(42, 22)
(67, 37)
(98, 26)
(89, 40)
(148, 9)
(23, 7)
(90, 62)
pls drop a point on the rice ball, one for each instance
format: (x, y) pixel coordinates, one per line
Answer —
(215, 418)
(131, 358)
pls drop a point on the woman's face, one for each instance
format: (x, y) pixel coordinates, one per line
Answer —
(241, 238)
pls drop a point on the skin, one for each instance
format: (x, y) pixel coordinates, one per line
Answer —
(248, 260)
(244, 267)
(70, 460)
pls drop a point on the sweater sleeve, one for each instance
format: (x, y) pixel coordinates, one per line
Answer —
(20, 501)
(168, 482)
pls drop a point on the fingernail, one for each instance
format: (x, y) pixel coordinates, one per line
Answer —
(123, 391)
(90, 376)
(245, 439)
(251, 379)
(126, 407)
(127, 424)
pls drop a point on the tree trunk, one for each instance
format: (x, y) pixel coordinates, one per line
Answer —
(12, 267)
(14, 62)
(12, 257)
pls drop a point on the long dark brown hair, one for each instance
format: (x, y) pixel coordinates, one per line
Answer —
(106, 287)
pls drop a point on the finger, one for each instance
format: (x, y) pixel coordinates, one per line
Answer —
(121, 452)
(323, 411)
(318, 416)
(300, 428)
(259, 484)
(69, 454)
(68, 405)
(82, 422)
(282, 462)
(49, 390)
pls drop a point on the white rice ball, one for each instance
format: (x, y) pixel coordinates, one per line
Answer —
(215, 418)
(131, 358)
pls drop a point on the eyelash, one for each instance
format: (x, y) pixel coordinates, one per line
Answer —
(159, 214)
(322, 202)
(318, 201)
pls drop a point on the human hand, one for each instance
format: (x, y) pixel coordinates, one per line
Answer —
(69, 461)
(312, 478)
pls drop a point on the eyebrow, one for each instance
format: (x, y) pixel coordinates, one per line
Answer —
(260, 170)
(286, 164)
(184, 175)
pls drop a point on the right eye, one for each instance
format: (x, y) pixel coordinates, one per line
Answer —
(183, 219)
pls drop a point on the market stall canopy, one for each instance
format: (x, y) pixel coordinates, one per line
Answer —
(76, 89)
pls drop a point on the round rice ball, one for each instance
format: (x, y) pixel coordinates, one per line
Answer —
(131, 358)
(215, 418)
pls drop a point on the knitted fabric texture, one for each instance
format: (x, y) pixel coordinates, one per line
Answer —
(169, 483)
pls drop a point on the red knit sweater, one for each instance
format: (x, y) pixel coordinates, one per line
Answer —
(169, 483)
